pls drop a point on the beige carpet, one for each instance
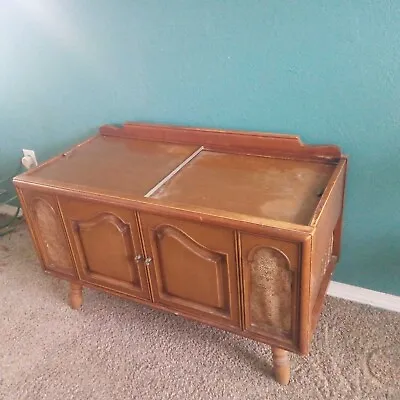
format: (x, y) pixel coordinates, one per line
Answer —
(116, 349)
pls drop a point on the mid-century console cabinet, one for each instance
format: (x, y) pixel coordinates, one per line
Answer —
(238, 230)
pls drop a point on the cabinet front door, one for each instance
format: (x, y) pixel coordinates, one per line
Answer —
(192, 268)
(106, 245)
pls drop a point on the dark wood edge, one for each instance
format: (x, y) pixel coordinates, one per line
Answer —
(319, 303)
(248, 142)
(198, 214)
(304, 296)
(240, 279)
(143, 247)
(69, 240)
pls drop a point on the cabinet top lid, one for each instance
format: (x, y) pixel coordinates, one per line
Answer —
(254, 175)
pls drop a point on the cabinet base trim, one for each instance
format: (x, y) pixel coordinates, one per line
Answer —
(364, 296)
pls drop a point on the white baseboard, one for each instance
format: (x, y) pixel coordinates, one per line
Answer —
(9, 210)
(364, 296)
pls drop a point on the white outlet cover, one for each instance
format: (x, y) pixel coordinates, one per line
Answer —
(31, 154)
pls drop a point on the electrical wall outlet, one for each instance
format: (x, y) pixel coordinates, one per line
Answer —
(29, 159)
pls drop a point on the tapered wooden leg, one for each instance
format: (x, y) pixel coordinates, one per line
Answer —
(75, 295)
(281, 365)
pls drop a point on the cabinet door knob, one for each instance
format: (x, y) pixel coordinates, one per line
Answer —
(148, 261)
(138, 258)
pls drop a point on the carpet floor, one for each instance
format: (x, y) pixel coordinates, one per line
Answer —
(115, 349)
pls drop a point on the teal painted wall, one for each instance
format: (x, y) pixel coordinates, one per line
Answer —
(327, 70)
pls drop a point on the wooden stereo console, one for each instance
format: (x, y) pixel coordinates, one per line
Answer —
(239, 230)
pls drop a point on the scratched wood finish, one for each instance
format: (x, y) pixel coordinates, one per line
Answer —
(283, 190)
(244, 237)
(110, 165)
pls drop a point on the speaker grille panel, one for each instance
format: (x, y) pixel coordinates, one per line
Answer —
(271, 296)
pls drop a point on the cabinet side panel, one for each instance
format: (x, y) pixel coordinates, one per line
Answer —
(322, 253)
(47, 231)
(323, 238)
(29, 222)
